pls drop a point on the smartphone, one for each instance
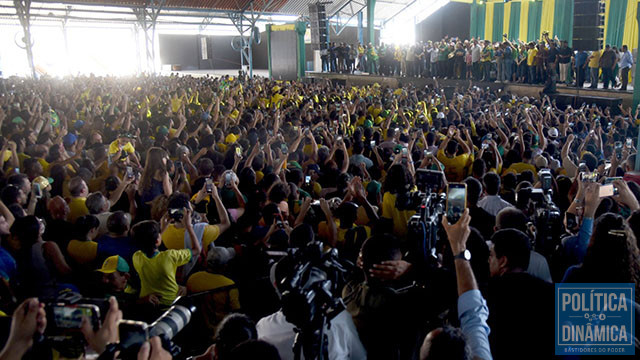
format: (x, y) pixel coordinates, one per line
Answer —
(284, 148)
(629, 143)
(404, 151)
(485, 146)
(130, 174)
(238, 151)
(178, 165)
(572, 223)
(69, 317)
(227, 180)
(37, 190)
(208, 185)
(456, 201)
(608, 190)
(307, 180)
(589, 177)
(610, 180)
(372, 143)
(132, 334)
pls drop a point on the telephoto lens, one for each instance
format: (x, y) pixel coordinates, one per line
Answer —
(171, 322)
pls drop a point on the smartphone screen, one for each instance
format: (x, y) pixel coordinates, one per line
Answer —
(132, 333)
(307, 179)
(209, 186)
(70, 316)
(238, 151)
(607, 190)
(38, 191)
(456, 201)
(373, 143)
(130, 174)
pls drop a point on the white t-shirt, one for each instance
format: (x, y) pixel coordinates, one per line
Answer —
(475, 53)
(342, 336)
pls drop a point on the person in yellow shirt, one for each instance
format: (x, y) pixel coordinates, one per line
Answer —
(594, 68)
(455, 165)
(82, 249)
(531, 62)
(157, 269)
(79, 191)
(397, 184)
(222, 296)
(174, 235)
(121, 148)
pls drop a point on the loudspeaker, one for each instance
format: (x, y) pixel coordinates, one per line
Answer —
(588, 24)
(588, 44)
(318, 25)
(588, 20)
(591, 32)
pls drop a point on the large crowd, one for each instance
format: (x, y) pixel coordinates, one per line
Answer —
(504, 61)
(152, 189)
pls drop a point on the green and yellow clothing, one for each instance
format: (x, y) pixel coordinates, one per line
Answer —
(400, 218)
(158, 273)
(82, 252)
(173, 236)
(77, 208)
(455, 168)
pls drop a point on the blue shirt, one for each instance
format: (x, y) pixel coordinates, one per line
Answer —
(627, 60)
(8, 267)
(575, 247)
(581, 58)
(473, 313)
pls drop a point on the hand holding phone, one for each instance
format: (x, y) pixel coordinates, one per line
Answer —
(456, 201)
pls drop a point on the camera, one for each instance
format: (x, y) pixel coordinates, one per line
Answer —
(546, 179)
(133, 334)
(64, 320)
(176, 214)
(311, 298)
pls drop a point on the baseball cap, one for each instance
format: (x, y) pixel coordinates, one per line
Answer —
(114, 263)
(541, 162)
(43, 181)
(230, 139)
(69, 139)
(218, 256)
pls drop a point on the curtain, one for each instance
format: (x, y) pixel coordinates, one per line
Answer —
(615, 25)
(563, 20)
(498, 20)
(630, 37)
(514, 21)
(488, 21)
(524, 15)
(534, 21)
(477, 21)
(546, 22)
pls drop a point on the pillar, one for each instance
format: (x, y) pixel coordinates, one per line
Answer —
(371, 8)
(360, 35)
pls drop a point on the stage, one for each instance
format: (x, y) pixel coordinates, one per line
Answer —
(565, 95)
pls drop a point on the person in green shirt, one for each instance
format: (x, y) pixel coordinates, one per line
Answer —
(485, 59)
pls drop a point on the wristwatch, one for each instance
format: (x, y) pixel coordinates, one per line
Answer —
(463, 255)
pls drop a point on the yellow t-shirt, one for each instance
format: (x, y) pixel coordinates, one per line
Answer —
(519, 168)
(173, 237)
(83, 252)
(216, 305)
(454, 168)
(531, 56)
(158, 273)
(595, 60)
(400, 218)
(77, 208)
